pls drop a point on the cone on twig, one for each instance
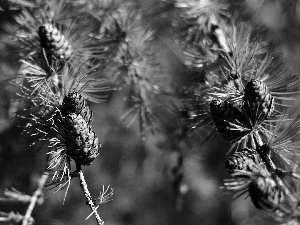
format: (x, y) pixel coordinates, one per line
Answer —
(81, 142)
(244, 160)
(258, 99)
(265, 193)
(54, 42)
(228, 120)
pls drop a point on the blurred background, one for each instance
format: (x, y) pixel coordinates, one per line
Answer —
(140, 171)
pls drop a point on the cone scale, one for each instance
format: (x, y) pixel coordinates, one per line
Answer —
(75, 103)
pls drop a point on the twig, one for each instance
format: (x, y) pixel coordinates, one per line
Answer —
(35, 197)
(10, 218)
(88, 197)
(14, 195)
(265, 156)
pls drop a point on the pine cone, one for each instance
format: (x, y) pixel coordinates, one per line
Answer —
(81, 142)
(228, 120)
(265, 193)
(54, 42)
(244, 160)
(75, 103)
(258, 99)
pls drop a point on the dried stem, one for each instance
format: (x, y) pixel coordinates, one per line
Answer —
(138, 81)
(89, 200)
(178, 175)
(35, 197)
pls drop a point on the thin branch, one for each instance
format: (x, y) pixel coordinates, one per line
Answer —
(11, 218)
(35, 198)
(89, 200)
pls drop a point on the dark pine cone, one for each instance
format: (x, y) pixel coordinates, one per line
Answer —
(228, 120)
(81, 142)
(54, 42)
(258, 99)
(75, 103)
(244, 160)
(265, 193)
